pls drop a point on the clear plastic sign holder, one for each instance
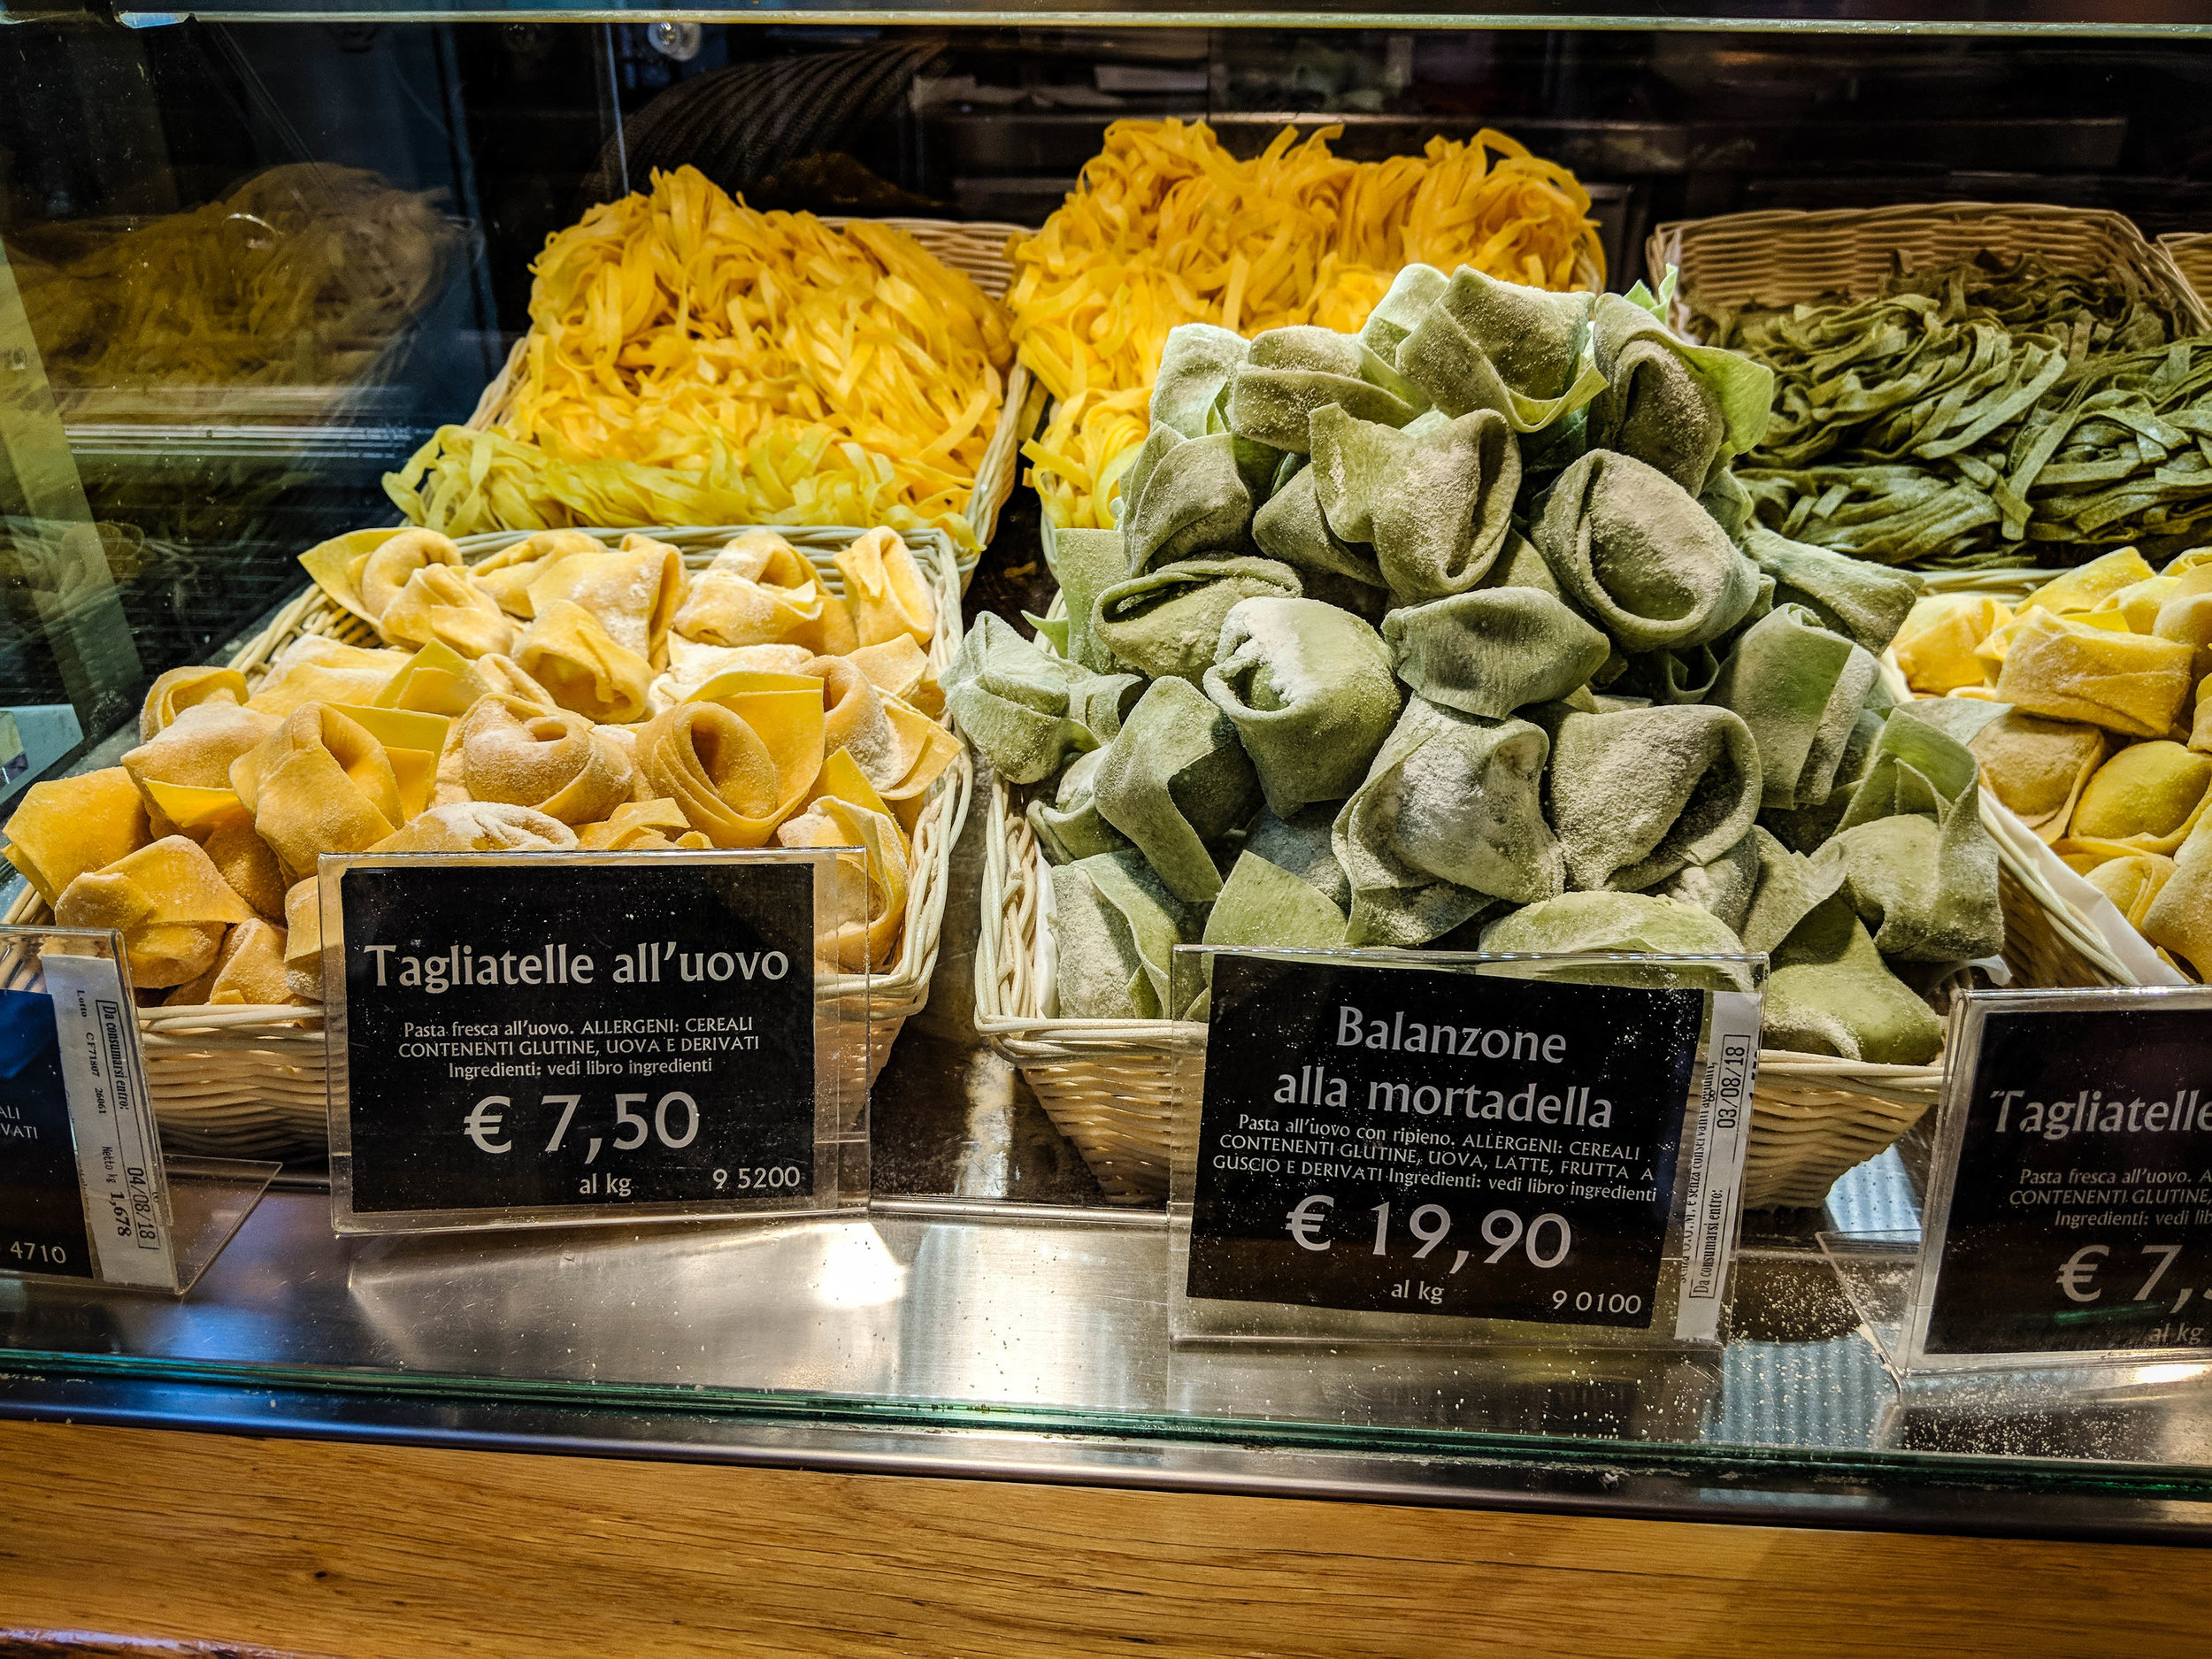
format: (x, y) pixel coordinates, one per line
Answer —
(1460, 1149)
(549, 1039)
(85, 1196)
(2066, 1239)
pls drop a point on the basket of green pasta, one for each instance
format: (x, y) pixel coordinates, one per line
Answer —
(1962, 386)
(1458, 633)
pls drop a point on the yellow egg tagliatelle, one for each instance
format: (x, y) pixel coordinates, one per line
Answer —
(1165, 226)
(691, 361)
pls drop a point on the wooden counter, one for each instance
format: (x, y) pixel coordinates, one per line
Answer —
(326, 1547)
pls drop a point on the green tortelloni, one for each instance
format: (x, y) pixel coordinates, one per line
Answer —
(1522, 352)
(1685, 409)
(1866, 602)
(1289, 373)
(1640, 558)
(1309, 690)
(1196, 364)
(1115, 926)
(1800, 689)
(1185, 498)
(1176, 782)
(1830, 993)
(1025, 710)
(1434, 500)
(1414, 291)
(1167, 622)
(1305, 845)
(1637, 794)
(1448, 821)
(1654, 406)
(1723, 887)
(1919, 868)
(1292, 527)
(1068, 827)
(1263, 903)
(1086, 563)
(1629, 922)
(1493, 650)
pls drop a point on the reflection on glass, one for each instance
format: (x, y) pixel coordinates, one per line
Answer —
(301, 278)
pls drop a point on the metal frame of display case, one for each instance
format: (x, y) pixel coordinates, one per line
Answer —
(1994, 17)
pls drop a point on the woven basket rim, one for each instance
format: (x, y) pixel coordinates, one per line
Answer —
(1022, 399)
(1776, 235)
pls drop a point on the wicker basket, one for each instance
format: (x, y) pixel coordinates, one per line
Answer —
(977, 250)
(239, 1080)
(1782, 257)
(2191, 251)
(1110, 1085)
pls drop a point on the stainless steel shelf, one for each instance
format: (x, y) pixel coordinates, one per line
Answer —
(952, 1340)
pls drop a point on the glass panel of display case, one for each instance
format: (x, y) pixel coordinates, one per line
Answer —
(262, 288)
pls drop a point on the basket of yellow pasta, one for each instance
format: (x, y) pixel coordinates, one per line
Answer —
(1164, 227)
(691, 361)
(733, 687)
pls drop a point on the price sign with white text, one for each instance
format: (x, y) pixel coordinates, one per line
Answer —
(1396, 1140)
(2069, 1210)
(545, 1037)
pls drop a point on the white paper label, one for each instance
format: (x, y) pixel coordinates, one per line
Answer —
(1716, 1160)
(119, 1155)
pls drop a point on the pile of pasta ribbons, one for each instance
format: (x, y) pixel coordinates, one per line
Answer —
(691, 361)
(1166, 228)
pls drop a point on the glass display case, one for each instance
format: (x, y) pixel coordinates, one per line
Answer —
(266, 275)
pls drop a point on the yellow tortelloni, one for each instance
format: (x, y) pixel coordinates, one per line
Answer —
(2178, 915)
(182, 688)
(170, 903)
(760, 590)
(516, 752)
(899, 751)
(2132, 883)
(582, 668)
(387, 569)
(440, 605)
(738, 760)
(72, 825)
(886, 591)
(480, 827)
(2072, 669)
(2145, 799)
(364, 570)
(507, 574)
(1937, 647)
(869, 889)
(633, 591)
(316, 669)
(249, 970)
(320, 784)
(644, 827)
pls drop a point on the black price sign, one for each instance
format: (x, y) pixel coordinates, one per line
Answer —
(1412, 1141)
(2080, 1199)
(41, 1206)
(537, 1034)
